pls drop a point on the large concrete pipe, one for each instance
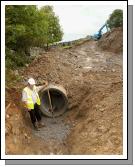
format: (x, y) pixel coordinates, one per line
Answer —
(58, 98)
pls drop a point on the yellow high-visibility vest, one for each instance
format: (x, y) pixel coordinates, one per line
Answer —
(30, 103)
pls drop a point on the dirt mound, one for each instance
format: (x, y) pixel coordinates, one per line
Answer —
(99, 127)
(112, 41)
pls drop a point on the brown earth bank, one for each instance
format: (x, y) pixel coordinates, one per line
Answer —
(94, 119)
(112, 41)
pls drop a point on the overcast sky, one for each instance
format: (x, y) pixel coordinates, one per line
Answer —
(82, 20)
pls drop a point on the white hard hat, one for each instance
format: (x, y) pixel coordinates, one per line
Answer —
(31, 81)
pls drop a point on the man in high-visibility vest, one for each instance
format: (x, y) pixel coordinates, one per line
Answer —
(31, 102)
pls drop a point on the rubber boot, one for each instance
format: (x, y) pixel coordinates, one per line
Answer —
(35, 126)
(41, 124)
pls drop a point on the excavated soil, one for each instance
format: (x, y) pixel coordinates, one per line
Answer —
(112, 41)
(93, 121)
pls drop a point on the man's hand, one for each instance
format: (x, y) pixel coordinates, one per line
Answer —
(46, 83)
(42, 86)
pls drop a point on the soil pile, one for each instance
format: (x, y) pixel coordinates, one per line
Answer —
(112, 41)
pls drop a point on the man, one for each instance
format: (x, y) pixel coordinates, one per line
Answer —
(31, 102)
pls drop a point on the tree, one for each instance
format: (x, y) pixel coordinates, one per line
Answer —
(53, 32)
(19, 23)
(27, 26)
(115, 19)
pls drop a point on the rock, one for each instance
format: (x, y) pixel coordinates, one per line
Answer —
(14, 140)
(7, 116)
(97, 105)
(25, 134)
(102, 128)
(51, 153)
(16, 72)
(8, 129)
(39, 152)
(101, 109)
(113, 70)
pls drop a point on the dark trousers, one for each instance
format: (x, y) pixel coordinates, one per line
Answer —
(35, 114)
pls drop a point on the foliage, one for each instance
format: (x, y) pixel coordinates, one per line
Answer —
(16, 59)
(26, 27)
(52, 32)
(11, 78)
(115, 19)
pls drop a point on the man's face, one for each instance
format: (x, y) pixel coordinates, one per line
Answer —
(31, 86)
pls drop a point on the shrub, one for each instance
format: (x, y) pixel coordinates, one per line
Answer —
(115, 19)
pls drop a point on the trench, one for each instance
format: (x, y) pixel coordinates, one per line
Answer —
(56, 128)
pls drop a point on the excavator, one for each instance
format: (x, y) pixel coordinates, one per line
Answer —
(99, 34)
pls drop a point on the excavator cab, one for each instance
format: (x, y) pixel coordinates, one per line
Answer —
(97, 35)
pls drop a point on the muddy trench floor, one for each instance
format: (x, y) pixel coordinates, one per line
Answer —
(55, 129)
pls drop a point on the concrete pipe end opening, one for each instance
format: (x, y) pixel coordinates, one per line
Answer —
(58, 98)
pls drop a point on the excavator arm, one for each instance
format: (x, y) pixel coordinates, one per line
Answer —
(98, 35)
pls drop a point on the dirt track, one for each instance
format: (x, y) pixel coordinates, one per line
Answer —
(93, 122)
